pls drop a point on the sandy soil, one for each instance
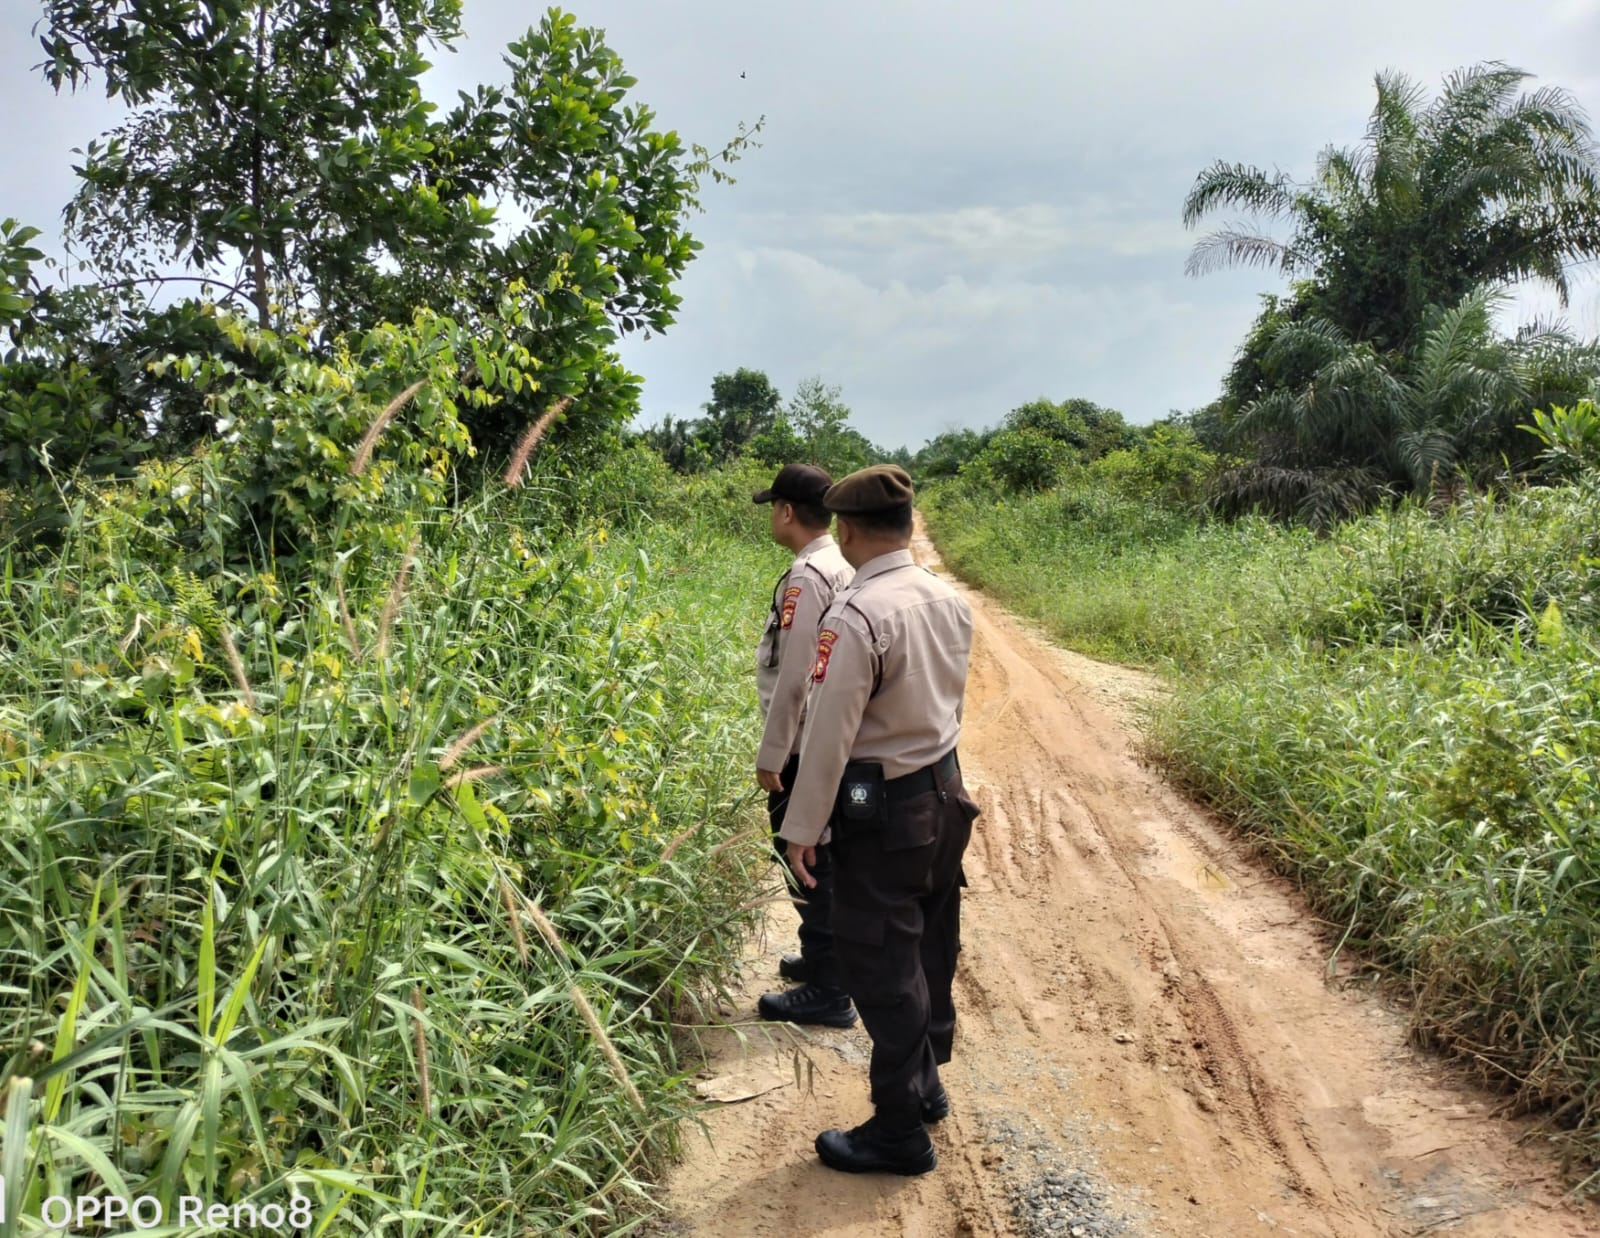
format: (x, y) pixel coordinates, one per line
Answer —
(1141, 1005)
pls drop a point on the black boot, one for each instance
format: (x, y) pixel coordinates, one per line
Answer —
(810, 1003)
(796, 967)
(872, 1148)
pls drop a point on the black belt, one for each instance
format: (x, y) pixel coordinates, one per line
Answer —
(921, 781)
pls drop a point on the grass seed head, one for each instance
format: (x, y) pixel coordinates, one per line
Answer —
(530, 440)
(363, 455)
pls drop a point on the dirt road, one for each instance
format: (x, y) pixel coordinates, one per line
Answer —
(1147, 1041)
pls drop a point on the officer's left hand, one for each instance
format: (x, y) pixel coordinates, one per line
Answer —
(801, 859)
(770, 780)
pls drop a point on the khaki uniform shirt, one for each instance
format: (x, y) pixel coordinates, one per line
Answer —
(890, 675)
(787, 655)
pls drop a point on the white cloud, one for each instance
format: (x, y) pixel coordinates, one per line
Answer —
(913, 359)
(958, 207)
(1087, 228)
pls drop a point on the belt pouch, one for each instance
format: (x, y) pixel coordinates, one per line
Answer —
(862, 802)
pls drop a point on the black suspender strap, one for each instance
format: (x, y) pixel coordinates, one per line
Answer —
(774, 622)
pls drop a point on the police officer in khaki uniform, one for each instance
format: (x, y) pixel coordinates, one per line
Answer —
(879, 777)
(784, 663)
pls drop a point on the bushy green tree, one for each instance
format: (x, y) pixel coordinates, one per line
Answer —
(1208, 425)
(282, 152)
(276, 147)
(945, 453)
(54, 417)
(741, 417)
(1167, 464)
(746, 416)
(1083, 425)
(779, 444)
(743, 405)
(1021, 461)
(821, 421)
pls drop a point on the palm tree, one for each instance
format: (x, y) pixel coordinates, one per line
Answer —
(1484, 185)
(1355, 426)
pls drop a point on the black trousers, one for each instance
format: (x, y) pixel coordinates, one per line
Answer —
(897, 930)
(816, 904)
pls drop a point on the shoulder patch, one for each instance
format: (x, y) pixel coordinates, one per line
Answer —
(791, 598)
(825, 640)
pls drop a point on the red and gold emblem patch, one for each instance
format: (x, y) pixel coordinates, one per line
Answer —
(791, 598)
(825, 640)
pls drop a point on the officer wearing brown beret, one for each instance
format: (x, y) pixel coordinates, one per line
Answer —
(879, 776)
(784, 662)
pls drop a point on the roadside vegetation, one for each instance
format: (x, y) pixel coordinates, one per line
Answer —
(375, 717)
(376, 711)
(386, 884)
(1370, 571)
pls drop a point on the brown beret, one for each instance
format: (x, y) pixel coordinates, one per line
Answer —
(881, 488)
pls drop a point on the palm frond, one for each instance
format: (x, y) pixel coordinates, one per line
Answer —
(1319, 497)
(1241, 186)
(1454, 335)
(1426, 454)
(1543, 333)
(1469, 190)
(1556, 369)
(1555, 152)
(1352, 404)
(1239, 246)
(1476, 397)
(1470, 97)
(1360, 367)
(1554, 114)
(1343, 174)
(1310, 343)
(1397, 113)
(1274, 413)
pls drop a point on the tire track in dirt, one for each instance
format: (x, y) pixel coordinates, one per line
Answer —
(1138, 988)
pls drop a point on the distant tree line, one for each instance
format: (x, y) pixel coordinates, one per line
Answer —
(1035, 447)
(747, 416)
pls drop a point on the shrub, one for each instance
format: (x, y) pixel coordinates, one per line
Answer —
(1020, 461)
(383, 881)
(1571, 437)
(1167, 465)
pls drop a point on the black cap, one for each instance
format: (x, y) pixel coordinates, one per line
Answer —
(796, 483)
(880, 488)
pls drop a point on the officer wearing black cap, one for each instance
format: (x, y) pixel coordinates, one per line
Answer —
(784, 662)
(879, 777)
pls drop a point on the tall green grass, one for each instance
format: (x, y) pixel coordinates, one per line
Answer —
(1440, 807)
(1405, 716)
(396, 905)
(1117, 577)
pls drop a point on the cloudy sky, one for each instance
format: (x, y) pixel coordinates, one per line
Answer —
(958, 207)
